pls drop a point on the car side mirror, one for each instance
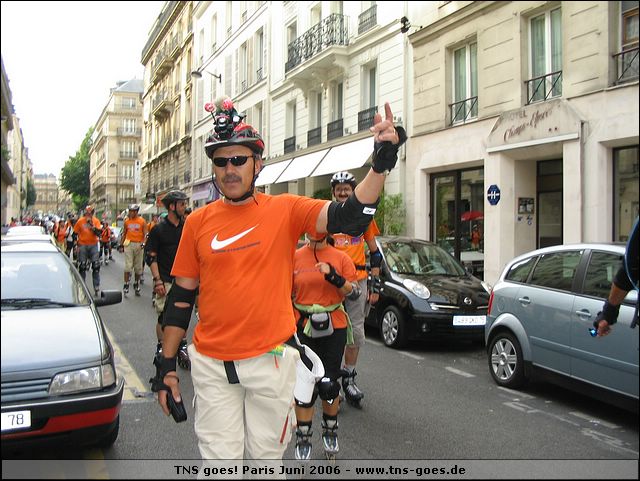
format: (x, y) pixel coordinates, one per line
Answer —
(108, 298)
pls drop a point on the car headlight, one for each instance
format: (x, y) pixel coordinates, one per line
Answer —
(487, 287)
(417, 288)
(83, 380)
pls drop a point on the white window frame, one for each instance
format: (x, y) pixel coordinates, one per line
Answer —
(468, 78)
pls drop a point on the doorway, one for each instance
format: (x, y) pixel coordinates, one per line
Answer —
(549, 191)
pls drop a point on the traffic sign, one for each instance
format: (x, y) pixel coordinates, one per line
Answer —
(493, 194)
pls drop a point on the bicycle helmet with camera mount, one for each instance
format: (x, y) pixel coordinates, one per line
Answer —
(229, 129)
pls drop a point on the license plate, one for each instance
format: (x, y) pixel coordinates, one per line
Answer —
(16, 420)
(469, 320)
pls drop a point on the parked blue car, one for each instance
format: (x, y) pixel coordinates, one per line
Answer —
(539, 317)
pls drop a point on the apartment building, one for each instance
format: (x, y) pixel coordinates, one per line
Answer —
(47, 191)
(167, 59)
(20, 166)
(8, 178)
(524, 123)
(308, 75)
(115, 154)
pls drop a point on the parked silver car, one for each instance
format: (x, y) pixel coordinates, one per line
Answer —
(539, 317)
(59, 381)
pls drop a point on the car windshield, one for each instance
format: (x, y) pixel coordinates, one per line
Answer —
(39, 280)
(419, 258)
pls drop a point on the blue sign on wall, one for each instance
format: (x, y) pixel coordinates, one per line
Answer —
(493, 194)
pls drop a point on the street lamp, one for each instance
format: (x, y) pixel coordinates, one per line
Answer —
(198, 74)
(115, 164)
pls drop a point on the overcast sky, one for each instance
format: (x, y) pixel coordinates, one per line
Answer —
(62, 59)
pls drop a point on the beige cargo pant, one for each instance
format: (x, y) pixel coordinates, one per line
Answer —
(253, 419)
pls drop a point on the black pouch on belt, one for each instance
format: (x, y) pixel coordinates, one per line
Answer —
(321, 324)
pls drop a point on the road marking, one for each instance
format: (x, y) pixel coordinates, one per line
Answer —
(615, 443)
(134, 388)
(412, 356)
(593, 420)
(459, 372)
(516, 393)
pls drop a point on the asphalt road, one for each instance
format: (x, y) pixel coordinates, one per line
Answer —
(430, 401)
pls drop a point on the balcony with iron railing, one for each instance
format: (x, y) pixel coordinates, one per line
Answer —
(161, 65)
(331, 31)
(290, 144)
(128, 155)
(335, 129)
(544, 87)
(124, 132)
(161, 106)
(626, 65)
(464, 110)
(259, 74)
(365, 118)
(314, 136)
(128, 108)
(367, 19)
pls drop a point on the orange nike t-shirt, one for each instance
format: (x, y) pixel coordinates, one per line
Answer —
(84, 229)
(243, 256)
(354, 246)
(310, 286)
(134, 229)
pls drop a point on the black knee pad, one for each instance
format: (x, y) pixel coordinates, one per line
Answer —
(160, 319)
(328, 389)
(83, 266)
(95, 265)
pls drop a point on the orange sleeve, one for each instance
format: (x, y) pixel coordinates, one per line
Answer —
(371, 231)
(186, 262)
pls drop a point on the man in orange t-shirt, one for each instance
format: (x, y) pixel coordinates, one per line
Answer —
(88, 231)
(133, 235)
(342, 186)
(239, 252)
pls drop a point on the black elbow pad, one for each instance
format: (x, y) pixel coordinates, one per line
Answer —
(350, 217)
(175, 315)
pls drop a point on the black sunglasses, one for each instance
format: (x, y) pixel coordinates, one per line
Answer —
(237, 160)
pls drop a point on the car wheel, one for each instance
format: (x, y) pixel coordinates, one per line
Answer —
(393, 327)
(505, 360)
(109, 439)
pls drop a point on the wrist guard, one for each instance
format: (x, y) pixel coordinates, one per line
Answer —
(385, 154)
(375, 259)
(334, 278)
(178, 316)
(374, 284)
(609, 313)
(163, 366)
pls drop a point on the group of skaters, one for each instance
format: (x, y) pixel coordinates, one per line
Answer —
(278, 326)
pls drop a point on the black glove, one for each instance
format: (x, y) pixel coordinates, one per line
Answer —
(163, 366)
(334, 278)
(385, 154)
(609, 313)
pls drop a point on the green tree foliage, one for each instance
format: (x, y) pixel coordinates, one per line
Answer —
(74, 177)
(31, 193)
(390, 214)
(323, 194)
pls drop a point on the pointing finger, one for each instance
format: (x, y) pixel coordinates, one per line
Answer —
(387, 112)
(377, 118)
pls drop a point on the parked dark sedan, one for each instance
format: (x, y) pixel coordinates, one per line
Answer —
(426, 294)
(59, 382)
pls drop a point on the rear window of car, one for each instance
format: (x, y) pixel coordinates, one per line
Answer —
(519, 272)
(600, 272)
(556, 270)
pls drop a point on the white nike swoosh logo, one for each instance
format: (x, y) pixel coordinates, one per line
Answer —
(221, 244)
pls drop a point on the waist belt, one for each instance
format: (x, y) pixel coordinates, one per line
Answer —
(232, 374)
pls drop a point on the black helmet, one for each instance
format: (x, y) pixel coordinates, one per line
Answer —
(173, 196)
(229, 129)
(135, 207)
(343, 178)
